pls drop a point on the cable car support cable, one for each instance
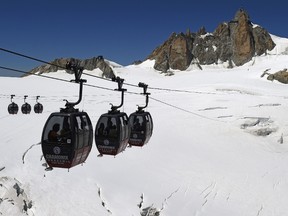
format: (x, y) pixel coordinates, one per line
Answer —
(162, 89)
(108, 89)
(154, 88)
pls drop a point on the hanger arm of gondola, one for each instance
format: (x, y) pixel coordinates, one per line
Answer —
(144, 86)
(70, 105)
(114, 108)
(76, 68)
(71, 65)
(12, 96)
(120, 84)
(25, 96)
(119, 81)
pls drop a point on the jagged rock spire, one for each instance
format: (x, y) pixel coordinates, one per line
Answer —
(235, 42)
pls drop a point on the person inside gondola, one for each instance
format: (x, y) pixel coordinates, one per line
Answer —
(101, 129)
(65, 133)
(111, 129)
(53, 134)
(137, 126)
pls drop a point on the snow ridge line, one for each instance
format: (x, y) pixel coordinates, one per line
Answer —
(151, 210)
(13, 194)
(167, 198)
(141, 202)
(23, 156)
(103, 203)
(260, 210)
(207, 191)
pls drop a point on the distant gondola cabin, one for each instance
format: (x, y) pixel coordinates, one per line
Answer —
(13, 108)
(67, 139)
(38, 108)
(26, 108)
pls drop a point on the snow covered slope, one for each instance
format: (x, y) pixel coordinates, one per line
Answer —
(219, 146)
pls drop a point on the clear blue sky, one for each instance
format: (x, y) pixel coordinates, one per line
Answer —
(121, 31)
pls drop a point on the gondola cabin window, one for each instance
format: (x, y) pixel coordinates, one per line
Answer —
(107, 127)
(149, 126)
(112, 129)
(124, 128)
(88, 131)
(83, 130)
(112, 133)
(58, 130)
(80, 133)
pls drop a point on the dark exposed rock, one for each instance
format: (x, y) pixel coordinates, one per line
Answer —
(223, 42)
(18, 189)
(241, 38)
(27, 206)
(55, 65)
(180, 55)
(103, 66)
(262, 40)
(204, 49)
(150, 211)
(235, 42)
(280, 76)
(137, 62)
(175, 53)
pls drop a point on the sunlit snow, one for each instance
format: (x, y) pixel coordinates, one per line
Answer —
(219, 146)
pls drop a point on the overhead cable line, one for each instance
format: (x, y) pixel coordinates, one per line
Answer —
(29, 57)
(39, 60)
(184, 110)
(54, 78)
(40, 75)
(160, 101)
(162, 89)
(179, 90)
(98, 77)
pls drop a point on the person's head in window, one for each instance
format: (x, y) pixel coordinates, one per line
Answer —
(53, 134)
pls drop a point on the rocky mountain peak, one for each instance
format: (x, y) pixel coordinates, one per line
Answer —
(242, 15)
(88, 64)
(236, 42)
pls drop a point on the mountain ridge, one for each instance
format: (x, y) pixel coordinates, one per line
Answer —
(235, 43)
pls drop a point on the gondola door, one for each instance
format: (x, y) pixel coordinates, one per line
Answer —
(83, 139)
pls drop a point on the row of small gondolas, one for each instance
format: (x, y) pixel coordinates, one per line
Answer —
(13, 108)
(67, 135)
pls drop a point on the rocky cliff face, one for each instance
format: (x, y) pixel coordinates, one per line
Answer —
(236, 42)
(88, 64)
